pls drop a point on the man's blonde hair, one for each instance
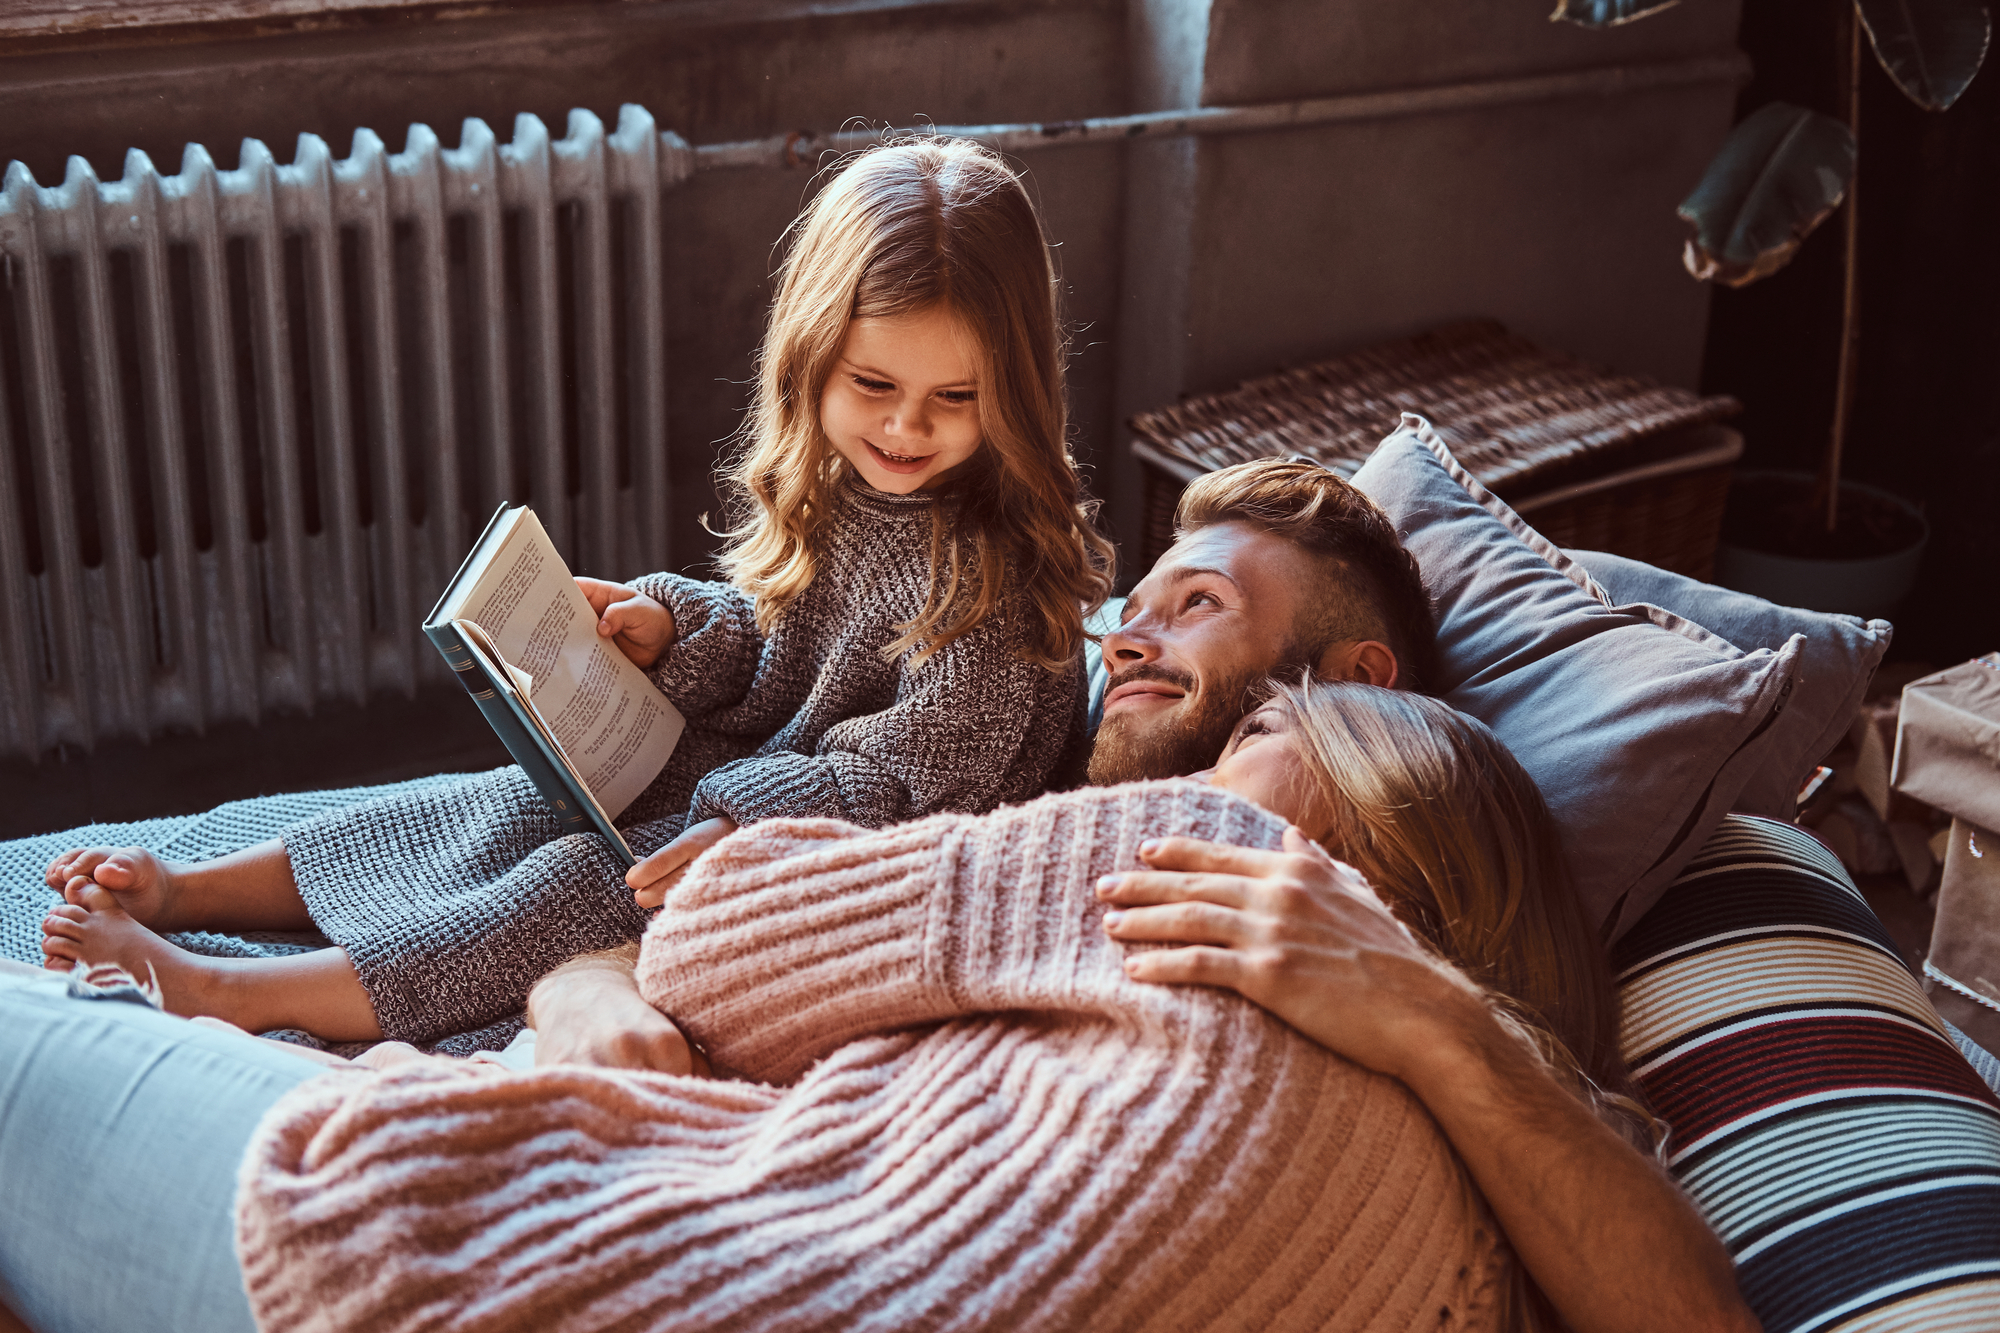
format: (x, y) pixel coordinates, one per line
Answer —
(903, 228)
(1374, 590)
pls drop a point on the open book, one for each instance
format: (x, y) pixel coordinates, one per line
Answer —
(586, 726)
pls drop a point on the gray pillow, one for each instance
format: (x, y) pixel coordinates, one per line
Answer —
(1640, 736)
(1840, 657)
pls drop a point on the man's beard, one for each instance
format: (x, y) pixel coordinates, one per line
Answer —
(1187, 739)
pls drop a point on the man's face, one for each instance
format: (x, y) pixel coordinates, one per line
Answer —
(1211, 620)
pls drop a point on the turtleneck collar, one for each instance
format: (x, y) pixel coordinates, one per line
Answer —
(859, 493)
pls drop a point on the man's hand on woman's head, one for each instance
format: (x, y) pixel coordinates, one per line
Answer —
(1603, 1230)
(652, 877)
(1294, 931)
(641, 627)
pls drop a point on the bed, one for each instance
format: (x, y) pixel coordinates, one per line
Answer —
(1843, 1139)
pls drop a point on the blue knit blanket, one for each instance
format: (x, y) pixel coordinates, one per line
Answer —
(25, 899)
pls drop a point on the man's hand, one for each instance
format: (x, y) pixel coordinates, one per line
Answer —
(652, 877)
(1294, 931)
(640, 626)
(589, 1012)
(1606, 1233)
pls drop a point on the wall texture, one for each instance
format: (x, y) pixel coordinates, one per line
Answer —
(1190, 264)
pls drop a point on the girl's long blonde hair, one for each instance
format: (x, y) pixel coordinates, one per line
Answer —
(907, 227)
(1448, 827)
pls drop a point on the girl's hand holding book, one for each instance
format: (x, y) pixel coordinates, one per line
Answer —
(640, 626)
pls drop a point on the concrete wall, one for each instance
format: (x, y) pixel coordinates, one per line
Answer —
(1190, 264)
(1556, 216)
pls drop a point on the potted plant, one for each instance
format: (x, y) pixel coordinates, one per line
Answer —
(1798, 539)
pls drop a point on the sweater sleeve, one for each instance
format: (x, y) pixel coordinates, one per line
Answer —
(946, 742)
(716, 642)
(1176, 1160)
(793, 938)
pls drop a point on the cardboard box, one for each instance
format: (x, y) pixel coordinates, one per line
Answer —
(1948, 742)
(1873, 735)
(1962, 973)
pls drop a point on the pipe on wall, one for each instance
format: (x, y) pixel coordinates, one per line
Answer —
(802, 148)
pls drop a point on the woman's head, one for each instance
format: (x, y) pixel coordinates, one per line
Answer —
(1446, 825)
(916, 310)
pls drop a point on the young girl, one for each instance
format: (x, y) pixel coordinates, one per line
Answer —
(901, 634)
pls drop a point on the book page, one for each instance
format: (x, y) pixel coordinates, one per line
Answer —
(616, 728)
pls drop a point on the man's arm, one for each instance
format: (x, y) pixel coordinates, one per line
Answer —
(1606, 1233)
(589, 1012)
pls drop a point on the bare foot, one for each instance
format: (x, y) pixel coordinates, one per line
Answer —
(147, 888)
(93, 927)
(318, 990)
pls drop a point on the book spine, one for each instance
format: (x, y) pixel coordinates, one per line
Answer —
(575, 795)
(517, 734)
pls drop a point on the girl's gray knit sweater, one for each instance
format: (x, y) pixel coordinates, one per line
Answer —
(453, 902)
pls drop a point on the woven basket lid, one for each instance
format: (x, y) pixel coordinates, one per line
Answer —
(1510, 410)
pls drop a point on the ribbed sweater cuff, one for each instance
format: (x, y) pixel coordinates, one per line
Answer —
(790, 939)
(782, 785)
(715, 646)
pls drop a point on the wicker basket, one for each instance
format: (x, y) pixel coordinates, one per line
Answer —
(1592, 459)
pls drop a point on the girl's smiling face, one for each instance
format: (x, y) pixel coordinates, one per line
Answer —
(902, 403)
(1261, 764)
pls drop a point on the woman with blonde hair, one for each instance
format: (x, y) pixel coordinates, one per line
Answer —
(1438, 822)
(1441, 819)
(902, 632)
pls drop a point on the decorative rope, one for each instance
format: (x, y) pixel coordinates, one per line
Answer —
(1931, 971)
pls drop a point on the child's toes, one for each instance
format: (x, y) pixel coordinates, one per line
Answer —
(93, 897)
(60, 954)
(115, 871)
(61, 868)
(62, 937)
(85, 860)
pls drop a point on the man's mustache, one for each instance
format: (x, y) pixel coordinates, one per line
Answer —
(1152, 671)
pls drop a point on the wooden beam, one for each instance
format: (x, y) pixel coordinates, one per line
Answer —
(50, 18)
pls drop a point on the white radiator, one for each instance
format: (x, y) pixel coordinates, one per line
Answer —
(251, 419)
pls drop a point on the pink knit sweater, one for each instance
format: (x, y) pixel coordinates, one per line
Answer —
(969, 1119)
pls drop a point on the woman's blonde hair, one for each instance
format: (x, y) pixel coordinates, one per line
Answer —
(903, 228)
(1454, 835)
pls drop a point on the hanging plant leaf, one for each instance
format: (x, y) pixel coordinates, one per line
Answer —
(1931, 48)
(1606, 13)
(1778, 175)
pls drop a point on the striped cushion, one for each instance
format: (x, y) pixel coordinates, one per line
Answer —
(1820, 1115)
